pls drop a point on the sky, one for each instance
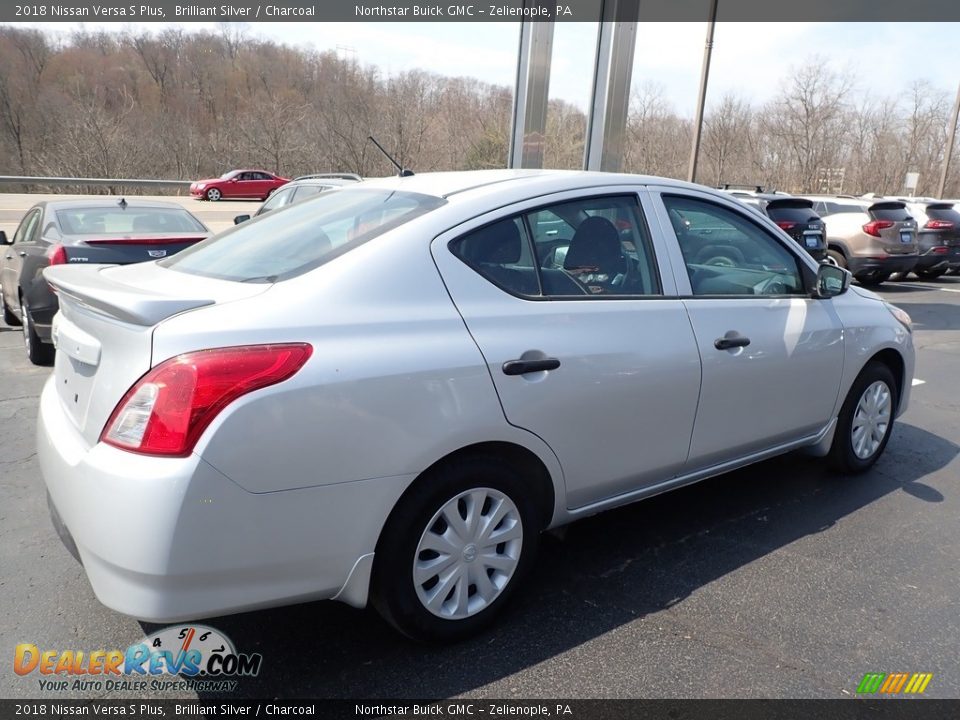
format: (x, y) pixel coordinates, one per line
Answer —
(750, 59)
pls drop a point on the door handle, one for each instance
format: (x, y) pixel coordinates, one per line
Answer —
(522, 367)
(22, 253)
(730, 342)
(9, 257)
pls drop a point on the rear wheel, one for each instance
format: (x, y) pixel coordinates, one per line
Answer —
(9, 316)
(838, 259)
(865, 420)
(213, 194)
(874, 279)
(38, 352)
(930, 274)
(455, 548)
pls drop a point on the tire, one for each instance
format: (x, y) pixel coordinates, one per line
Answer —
(9, 316)
(720, 256)
(853, 452)
(838, 259)
(874, 279)
(930, 274)
(38, 352)
(487, 485)
(213, 195)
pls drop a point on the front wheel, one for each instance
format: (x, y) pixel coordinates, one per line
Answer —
(838, 259)
(930, 274)
(865, 420)
(213, 195)
(454, 549)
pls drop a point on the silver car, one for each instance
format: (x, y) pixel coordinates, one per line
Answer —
(385, 393)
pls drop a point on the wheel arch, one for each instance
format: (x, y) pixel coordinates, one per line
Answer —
(894, 361)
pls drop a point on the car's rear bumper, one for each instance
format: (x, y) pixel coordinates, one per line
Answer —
(933, 260)
(167, 539)
(877, 265)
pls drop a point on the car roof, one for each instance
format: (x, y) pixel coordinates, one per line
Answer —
(321, 181)
(109, 202)
(467, 183)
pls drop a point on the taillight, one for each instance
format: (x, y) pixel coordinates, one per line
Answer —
(938, 225)
(875, 226)
(57, 255)
(167, 410)
(784, 225)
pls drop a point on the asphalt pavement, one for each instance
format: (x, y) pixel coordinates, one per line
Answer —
(780, 580)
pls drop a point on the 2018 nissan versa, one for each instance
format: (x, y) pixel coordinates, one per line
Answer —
(387, 392)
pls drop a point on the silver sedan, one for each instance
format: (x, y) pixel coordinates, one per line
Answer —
(386, 393)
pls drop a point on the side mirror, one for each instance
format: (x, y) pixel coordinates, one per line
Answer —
(240, 218)
(4, 240)
(831, 281)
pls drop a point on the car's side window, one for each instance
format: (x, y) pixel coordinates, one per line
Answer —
(726, 253)
(278, 200)
(596, 247)
(500, 252)
(25, 233)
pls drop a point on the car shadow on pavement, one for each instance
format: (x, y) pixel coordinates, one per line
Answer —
(601, 573)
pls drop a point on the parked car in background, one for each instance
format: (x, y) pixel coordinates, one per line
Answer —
(938, 236)
(386, 393)
(299, 189)
(872, 238)
(257, 184)
(82, 232)
(794, 215)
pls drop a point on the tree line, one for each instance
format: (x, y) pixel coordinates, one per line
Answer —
(184, 105)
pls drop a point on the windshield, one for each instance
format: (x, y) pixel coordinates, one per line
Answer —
(281, 245)
(228, 175)
(132, 219)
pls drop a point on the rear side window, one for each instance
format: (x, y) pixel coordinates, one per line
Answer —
(837, 208)
(282, 245)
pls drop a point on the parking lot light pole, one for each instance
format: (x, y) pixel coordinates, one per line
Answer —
(701, 101)
(950, 138)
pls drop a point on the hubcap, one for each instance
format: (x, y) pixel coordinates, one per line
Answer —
(871, 420)
(468, 553)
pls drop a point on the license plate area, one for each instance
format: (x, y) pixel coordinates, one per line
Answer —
(906, 236)
(812, 240)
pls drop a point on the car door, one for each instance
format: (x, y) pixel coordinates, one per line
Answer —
(772, 355)
(600, 362)
(15, 253)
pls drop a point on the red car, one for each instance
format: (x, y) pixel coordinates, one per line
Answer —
(257, 184)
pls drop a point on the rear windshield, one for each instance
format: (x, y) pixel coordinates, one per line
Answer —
(890, 212)
(943, 213)
(837, 208)
(126, 221)
(281, 245)
(792, 214)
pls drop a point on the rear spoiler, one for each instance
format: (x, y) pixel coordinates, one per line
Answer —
(89, 287)
(888, 205)
(940, 205)
(791, 202)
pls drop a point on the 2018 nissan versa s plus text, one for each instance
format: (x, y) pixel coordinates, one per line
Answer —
(387, 392)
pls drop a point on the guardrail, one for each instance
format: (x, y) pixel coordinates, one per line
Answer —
(63, 181)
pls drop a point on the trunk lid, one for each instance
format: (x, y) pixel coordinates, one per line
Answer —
(125, 249)
(104, 330)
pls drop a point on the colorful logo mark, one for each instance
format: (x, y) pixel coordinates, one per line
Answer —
(894, 683)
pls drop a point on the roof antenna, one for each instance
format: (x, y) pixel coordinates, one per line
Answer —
(402, 171)
(123, 203)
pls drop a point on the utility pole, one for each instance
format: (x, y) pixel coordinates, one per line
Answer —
(701, 101)
(950, 138)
